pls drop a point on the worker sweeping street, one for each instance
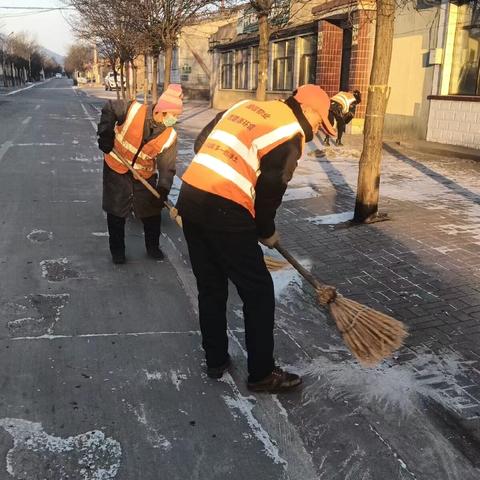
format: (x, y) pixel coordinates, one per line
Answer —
(228, 200)
(132, 134)
(342, 110)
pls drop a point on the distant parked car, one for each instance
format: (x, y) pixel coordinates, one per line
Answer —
(82, 80)
(58, 75)
(109, 81)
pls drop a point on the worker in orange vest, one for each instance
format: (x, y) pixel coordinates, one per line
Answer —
(342, 109)
(228, 201)
(143, 136)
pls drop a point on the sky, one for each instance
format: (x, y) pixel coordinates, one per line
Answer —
(49, 29)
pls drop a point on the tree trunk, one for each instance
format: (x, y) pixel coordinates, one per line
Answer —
(168, 66)
(127, 78)
(115, 77)
(135, 80)
(155, 78)
(366, 204)
(122, 78)
(145, 78)
(264, 33)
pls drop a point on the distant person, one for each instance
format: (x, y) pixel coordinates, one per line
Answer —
(342, 109)
(143, 136)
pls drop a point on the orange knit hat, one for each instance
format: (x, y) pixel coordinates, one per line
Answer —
(170, 100)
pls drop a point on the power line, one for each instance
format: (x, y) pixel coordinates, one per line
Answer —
(37, 8)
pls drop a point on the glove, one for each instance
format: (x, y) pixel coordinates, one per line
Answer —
(270, 241)
(163, 194)
(173, 213)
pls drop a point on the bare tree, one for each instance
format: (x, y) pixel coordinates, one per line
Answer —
(366, 204)
(23, 46)
(263, 9)
(78, 57)
(161, 22)
(113, 25)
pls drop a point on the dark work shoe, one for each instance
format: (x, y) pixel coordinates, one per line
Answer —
(326, 142)
(277, 382)
(118, 258)
(155, 253)
(217, 372)
(339, 143)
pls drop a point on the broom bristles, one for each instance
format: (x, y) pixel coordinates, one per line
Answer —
(370, 335)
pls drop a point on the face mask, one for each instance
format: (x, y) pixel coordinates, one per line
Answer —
(169, 121)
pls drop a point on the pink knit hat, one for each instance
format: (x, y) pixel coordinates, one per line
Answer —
(170, 100)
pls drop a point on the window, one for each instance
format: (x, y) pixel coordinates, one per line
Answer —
(465, 78)
(254, 57)
(283, 58)
(308, 56)
(227, 70)
(242, 68)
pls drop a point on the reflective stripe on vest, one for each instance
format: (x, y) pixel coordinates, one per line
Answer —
(344, 99)
(128, 139)
(228, 163)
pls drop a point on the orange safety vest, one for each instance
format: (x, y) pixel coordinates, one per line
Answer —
(344, 99)
(128, 139)
(228, 163)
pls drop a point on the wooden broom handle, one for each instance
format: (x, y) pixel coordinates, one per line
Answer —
(142, 180)
(299, 268)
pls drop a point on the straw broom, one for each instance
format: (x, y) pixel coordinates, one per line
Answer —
(370, 335)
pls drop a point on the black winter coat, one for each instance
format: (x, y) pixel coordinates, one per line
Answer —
(122, 194)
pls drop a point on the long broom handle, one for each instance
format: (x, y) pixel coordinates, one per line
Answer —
(299, 268)
(142, 180)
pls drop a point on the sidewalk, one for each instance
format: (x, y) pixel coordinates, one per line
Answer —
(422, 267)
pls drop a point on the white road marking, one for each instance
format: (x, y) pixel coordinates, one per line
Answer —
(95, 335)
(19, 90)
(45, 144)
(25, 88)
(37, 107)
(27, 120)
(4, 148)
(92, 123)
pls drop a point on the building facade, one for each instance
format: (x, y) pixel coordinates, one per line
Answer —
(191, 62)
(455, 97)
(292, 53)
(434, 86)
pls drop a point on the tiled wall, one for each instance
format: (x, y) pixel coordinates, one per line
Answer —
(362, 53)
(454, 122)
(329, 56)
(329, 59)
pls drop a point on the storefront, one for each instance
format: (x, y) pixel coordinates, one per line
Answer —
(292, 57)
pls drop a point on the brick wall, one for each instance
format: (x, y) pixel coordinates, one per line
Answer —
(454, 122)
(329, 58)
(362, 53)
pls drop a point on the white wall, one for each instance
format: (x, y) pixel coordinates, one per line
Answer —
(454, 122)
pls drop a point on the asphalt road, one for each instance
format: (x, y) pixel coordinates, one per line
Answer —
(102, 372)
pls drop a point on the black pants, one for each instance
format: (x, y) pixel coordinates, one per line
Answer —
(335, 113)
(116, 231)
(217, 257)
